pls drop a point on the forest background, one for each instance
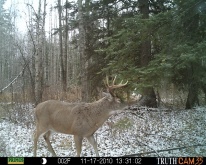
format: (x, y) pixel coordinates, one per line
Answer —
(68, 47)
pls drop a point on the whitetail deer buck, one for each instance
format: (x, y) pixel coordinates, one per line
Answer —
(78, 119)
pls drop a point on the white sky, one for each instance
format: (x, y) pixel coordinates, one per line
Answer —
(21, 11)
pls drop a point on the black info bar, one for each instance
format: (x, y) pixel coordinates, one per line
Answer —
(104, 160)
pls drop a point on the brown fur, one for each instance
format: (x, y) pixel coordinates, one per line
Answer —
(78, 119)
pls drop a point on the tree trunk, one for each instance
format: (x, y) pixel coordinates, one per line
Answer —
(148, 94)
(62, 62)
(39, 54)
(192, 98)
(204, 91)
(148, 98)
(65, 47)
(83, 57)
(146, 44)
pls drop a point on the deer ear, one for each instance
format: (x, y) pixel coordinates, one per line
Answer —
(107, 95)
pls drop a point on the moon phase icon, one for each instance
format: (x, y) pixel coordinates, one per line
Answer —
(43, 160)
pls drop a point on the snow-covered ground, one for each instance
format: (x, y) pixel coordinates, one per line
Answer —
(127, 133)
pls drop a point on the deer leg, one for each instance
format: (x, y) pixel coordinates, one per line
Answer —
(36, 137)
(37, 133)
(46, 138)
(93, 143)
(78, 144)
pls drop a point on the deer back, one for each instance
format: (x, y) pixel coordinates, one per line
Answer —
(55, 115)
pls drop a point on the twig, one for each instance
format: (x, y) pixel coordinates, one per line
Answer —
(12, 81)
(170, 149)
(154, 151)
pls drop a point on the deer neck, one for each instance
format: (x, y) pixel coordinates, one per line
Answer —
(105, 109)
(100, 111)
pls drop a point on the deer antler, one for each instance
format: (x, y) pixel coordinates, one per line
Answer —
(113, 86)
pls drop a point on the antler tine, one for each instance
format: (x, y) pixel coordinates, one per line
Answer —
(114, 80)
(124, 83)
(113, 86)
(107, 81)
(120, 84)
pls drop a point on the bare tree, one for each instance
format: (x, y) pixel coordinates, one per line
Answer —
(83, 58)
(80, 119)
(40, 38)
(65, 58)
(62, 59)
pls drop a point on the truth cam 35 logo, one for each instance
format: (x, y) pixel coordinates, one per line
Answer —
(180, 161)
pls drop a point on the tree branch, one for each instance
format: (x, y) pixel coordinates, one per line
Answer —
(170, 149)
(13, 81)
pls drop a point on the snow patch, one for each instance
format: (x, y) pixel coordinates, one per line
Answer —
(157, 130)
